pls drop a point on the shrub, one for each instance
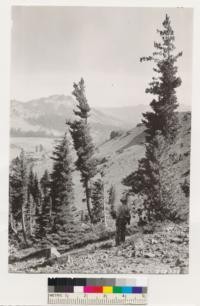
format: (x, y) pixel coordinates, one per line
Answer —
(115, 134)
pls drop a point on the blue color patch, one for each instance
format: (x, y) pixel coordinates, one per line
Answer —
(127, 289)
(136, 289)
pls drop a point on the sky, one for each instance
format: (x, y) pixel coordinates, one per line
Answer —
(53, 47)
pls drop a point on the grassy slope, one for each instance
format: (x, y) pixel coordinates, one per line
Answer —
(123, 152)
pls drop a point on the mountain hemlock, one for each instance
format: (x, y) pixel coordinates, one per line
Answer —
(151, 180)
(97, 201)
(61, 184)
(18, 195)
(83, 144)
(163, 86)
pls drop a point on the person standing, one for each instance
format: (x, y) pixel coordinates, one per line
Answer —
(123, 218)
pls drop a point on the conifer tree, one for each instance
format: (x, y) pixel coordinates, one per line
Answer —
(32, 215)
(36, 194)
(150, 180)
(34, 199)
(97, 201)
(18, 192)
(31, 201)
(111, 201)
(163, 86)
(80, 132)
(31, 180)
(14, 203)
(34, 190)
(45, 184)
(61, 183)
(44, 223)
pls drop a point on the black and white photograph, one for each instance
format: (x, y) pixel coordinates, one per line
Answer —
(100, 126)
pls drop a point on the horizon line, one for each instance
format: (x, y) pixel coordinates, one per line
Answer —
(100, 107)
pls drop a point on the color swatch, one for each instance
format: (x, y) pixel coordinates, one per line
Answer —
(95, 285)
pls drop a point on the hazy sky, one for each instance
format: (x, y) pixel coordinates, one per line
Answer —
(54, 46)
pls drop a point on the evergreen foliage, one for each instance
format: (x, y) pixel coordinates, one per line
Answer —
(80, 132)
(34, 199)
(34, 190)
(44, 218)
(111, 201)
(151, 180)
(37, 194)
(163, 85)
(97, 201)
(32, 218)
(18, 194)
(61, 183)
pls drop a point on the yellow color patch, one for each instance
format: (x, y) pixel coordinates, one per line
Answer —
(107, 289)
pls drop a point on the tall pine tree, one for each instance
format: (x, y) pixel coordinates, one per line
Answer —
(61, 183)
(80, 132)
(150, 179)
(163, 115)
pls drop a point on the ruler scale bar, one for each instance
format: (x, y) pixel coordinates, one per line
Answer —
(97, 299)
(97, 291)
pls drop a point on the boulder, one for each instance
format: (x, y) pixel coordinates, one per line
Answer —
(180, 263)
(149, 255)
(176, 240)
(54, 252)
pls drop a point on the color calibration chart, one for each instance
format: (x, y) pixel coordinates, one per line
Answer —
(98, 291)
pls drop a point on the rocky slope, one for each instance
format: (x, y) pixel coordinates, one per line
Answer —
(164, 251)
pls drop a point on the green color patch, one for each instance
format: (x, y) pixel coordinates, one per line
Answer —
(117, 289)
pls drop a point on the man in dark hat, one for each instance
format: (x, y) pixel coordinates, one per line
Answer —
(123, 218)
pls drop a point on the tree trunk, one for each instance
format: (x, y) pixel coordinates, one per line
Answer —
(30, 214)
(87, 192)
(23, 225)
(50, 209)
(11, 223)
(104, 205)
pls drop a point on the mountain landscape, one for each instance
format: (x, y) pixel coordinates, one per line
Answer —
(35, 126)
(46, 117)
(119, 156)
(98, 189)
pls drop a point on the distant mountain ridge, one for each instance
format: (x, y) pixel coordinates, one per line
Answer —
(47, 116)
